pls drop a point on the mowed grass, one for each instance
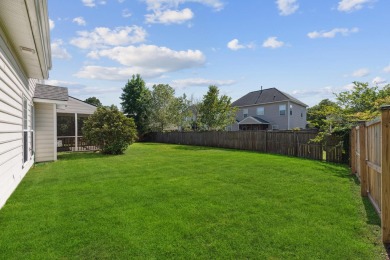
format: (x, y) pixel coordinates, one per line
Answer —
(170, 201)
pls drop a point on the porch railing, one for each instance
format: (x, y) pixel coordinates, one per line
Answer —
(69, 144)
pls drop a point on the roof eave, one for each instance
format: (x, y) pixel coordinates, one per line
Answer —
(39, 20)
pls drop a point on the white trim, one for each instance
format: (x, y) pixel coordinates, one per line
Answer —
(251, 117)
(55, 132)
(50, 101)
(75, 132)
(273, 102)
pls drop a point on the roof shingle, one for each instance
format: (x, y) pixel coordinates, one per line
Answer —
(265, 96)
(51, 92)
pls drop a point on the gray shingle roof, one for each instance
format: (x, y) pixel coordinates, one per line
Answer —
(51, 92)
(265, 96)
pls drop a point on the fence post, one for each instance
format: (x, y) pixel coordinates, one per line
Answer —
(363, 163)
(385, 198)
(352, 153)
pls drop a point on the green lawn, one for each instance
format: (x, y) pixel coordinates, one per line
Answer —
(171, 201)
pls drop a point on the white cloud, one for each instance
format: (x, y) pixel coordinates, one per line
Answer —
(78, 89)
(51, 24)
(352, 5)
(195, 82)
(234, 45)
(102, 37)
(89, 3)
(361, 73)
(59, 52)
(121, 1)
(168, 4)
(167, 11)
(114, 73)
(148, 60)
(170, 16)
(287, 7)
(379, 81)
(387, 69)
(80, 21)
(272, 42)
(332, 33)
(126, 13)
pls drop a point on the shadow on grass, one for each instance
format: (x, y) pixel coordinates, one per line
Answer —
(69, 156)
(372, 216)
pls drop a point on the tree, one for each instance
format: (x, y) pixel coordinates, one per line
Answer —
(182, 112)
(135, 103)
(362, 102)
(110, 129)
(93, 101)
(216, 112)
(163, 107)
(319, 115)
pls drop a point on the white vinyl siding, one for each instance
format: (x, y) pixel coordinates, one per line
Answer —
(45, 132)
(14, 85)
(76, 106)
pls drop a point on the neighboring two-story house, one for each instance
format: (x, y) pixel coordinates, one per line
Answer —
(269, 109)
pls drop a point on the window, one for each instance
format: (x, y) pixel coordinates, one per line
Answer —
(245, 112)
(32, 127)
(25, 130)
(260, 111)
(291, 110)
(282, 110)
(275, 127)
(302, 113)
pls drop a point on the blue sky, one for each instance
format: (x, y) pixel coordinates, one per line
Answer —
(309, 49)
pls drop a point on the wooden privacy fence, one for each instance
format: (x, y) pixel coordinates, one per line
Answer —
(370, 161)
(292, 143)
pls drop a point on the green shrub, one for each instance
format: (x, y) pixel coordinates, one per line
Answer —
(110, 129)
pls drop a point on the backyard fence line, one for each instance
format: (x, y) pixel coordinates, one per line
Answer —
(291, 143)
(370, 162)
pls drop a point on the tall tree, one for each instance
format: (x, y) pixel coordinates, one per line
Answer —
(135, 103)
(94, 101)
(216, 112)
(182, 112)
(163, 105)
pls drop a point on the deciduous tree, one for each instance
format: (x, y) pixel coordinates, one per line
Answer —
(135, 103)
(94, 101)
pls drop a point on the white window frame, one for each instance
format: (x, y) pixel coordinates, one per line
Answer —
(25, 130)
(260, 111)
(282, 110)
(245, 112)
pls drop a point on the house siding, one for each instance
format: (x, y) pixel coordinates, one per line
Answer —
(46, 132)
(296, 121)
(77, 106)
(271, 114)
(14, 87)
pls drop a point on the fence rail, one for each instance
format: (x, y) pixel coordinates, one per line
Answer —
(370, 162)
(292, 143)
